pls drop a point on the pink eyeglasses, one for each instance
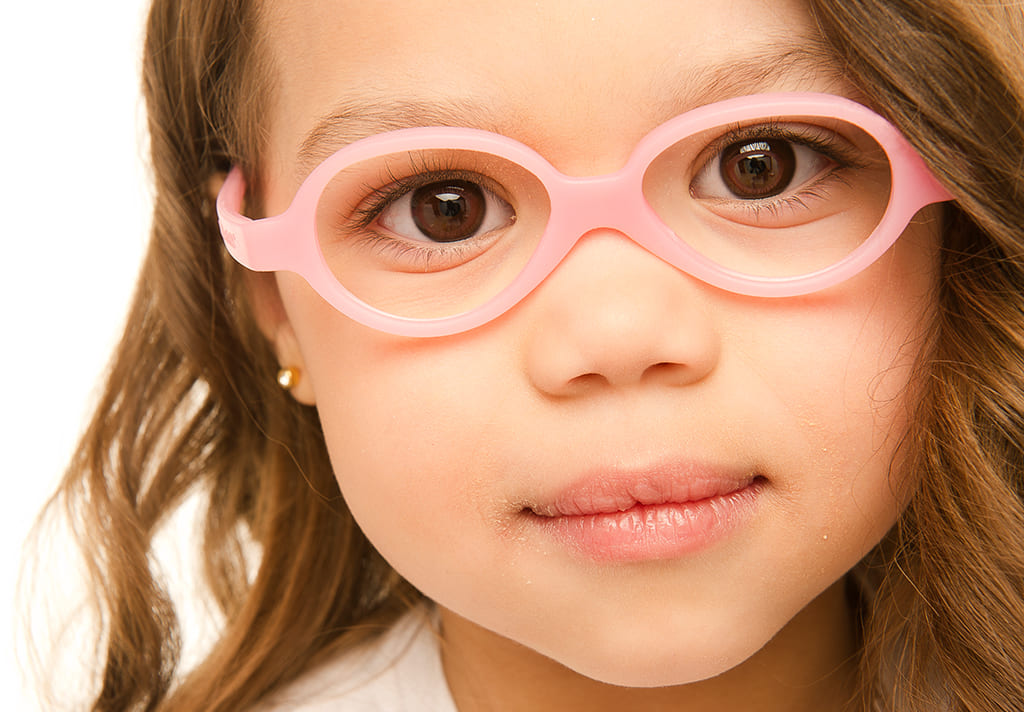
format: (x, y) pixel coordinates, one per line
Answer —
(433, 231)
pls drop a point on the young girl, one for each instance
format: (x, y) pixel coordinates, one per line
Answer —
(680, 368)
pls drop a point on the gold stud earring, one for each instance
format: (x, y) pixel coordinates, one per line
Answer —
(288, 377)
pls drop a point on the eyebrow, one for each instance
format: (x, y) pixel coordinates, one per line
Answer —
(361, 115)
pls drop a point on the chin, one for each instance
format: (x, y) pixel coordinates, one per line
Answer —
(659, 663)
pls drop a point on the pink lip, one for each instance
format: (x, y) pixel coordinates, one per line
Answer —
(659, 513)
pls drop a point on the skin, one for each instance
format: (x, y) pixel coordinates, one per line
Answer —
(436, 443)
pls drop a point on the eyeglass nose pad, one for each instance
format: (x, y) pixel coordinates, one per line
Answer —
(614, 202)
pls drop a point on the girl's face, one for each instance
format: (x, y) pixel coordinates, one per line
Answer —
(483, 466)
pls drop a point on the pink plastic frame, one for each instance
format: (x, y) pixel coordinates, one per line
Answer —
(578, 205)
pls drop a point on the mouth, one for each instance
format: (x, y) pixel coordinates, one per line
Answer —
(657, 514)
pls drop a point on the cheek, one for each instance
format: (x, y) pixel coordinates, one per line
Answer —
(406, 428)
(842, 370)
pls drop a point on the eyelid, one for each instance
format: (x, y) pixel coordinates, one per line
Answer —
(394, 224)
(829, 143)
(386, 195)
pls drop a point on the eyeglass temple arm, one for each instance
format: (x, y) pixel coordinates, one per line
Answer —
(924, 187)
(251, 242)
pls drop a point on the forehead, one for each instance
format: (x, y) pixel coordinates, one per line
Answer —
(543, 72)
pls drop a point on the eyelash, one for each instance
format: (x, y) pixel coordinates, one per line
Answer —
(360, 221)
(416, 255)
(378, 199)
(844, 156)
(817, 139)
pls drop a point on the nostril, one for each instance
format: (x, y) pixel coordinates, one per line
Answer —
(587, 381)
(665, 370)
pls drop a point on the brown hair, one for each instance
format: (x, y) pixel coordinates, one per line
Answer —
(945, 628)
(190, 403)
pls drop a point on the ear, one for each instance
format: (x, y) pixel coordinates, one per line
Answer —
(271, 317)
(272, 320)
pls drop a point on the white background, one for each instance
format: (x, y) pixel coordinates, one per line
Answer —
(75, 199)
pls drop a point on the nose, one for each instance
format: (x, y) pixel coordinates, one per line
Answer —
(614, 315)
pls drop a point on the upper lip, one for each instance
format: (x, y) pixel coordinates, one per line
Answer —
(617, 490)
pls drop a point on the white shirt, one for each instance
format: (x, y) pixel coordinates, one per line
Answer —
(399, 671)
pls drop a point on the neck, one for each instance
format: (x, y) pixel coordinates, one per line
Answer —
(809, 665)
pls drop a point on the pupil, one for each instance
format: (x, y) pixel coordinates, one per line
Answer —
(449, 211)
(450, 205)
(759, 169)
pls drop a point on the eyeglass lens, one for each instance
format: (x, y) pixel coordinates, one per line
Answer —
(437, 232)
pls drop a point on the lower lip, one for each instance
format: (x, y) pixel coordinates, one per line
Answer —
(655, 531)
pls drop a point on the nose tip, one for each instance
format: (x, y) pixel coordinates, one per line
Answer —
(614, 315)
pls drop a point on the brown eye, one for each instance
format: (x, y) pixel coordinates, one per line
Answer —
(448, 211)
(758, 169)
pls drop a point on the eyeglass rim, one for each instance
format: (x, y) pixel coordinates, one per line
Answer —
(269, 244)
